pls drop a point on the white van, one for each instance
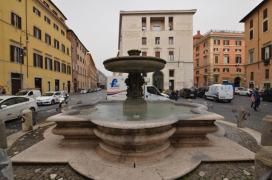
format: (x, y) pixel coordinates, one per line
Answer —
(220, 92)
(32, 93)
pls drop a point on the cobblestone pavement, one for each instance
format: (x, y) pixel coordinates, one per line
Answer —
(226, 109)
(209, 171)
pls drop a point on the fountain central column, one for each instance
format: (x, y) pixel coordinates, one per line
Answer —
(134, 82)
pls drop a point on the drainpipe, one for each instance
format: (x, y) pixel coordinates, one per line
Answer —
(27, 73)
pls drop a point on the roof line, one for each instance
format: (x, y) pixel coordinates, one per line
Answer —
(193, 11)
(57, 8)
(253, 11)
(70, 30)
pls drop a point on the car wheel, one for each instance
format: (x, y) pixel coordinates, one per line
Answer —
(52, 102)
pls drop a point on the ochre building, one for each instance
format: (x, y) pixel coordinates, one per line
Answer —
(219, 56)
(258, 39)
(34, 49)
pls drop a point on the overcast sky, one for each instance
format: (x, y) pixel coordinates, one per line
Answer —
(96, 21)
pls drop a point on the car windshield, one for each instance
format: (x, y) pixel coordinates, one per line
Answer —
(21, 93)
(48, 94)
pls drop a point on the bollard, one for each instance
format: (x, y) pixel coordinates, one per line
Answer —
(263, 158)
(5, 166)
(3, 138)
(27, 121)
(242, 117)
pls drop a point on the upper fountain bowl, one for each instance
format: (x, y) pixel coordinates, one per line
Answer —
(134, 63)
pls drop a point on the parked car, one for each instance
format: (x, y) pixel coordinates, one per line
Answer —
(11, 107)
(201, 91)
(188, 93)
(83, 91)
(33, 93)
(267, 95)
(220, 92)
(49, 98)
(243, 91)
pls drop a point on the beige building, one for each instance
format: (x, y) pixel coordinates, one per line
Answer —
(218, 57)
(258, 39)
(101, 80)
(167, 34)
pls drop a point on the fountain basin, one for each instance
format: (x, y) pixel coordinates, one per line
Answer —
(152, 135)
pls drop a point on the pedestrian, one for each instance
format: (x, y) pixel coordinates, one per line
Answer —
(256, 99)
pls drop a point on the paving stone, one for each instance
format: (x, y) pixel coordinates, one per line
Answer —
(53, 176)
(201, 173)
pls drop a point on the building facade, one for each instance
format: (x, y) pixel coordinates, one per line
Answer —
(258, 39)
(81, 63)
(101, 80)
(219, 56)
(165, 34)
(91, 72)
(34, 49)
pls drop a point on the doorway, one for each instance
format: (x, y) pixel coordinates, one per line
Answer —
(57, 84)
(38, 84)
(16, 82)
(237, 82)
(158, 80)
(171, 85)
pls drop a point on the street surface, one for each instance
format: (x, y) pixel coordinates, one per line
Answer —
(50, 110)
(224, 109)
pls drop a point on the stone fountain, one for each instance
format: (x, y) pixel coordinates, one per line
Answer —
(145, 140)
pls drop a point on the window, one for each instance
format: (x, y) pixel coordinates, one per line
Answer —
(238, 50)
(216, 59)
(37, 60)
(48, 63)
(144, 53)
(37, 33)
(47, 5)
(36, 11)
(238, 43)
(238, 59)
(63, 48)
(225, 69)
(216, 50)
(265, 14)
(68, 69)
(265, 25)
(16, 20)
(267, 86)
(143, 23)
(157, 54)
(250, 56)
(226, 50)
(252, 76)
(216, 42)
(57, 66)
(54, 12)
(266, 74)
(63, 68)
(171, 72)
(56, 27)
(62, 32)
(226, 42)
(157, 40)
(9, 102)
(46, 19)
(47, 39)
(56, 44)
(156, 27)
(143, 40)
(170, 23)
(16, 54)
(266, 52)
(251, 34)
(216, 70)
(171, 55)
(171, 40)
(238, 70)
(251, 23)
(226, 59)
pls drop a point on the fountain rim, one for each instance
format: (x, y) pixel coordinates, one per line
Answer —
(131, 58)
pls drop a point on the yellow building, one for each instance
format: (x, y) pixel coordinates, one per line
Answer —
(34, 49)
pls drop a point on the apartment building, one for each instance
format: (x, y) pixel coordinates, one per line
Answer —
(34, 49)
(258, 39)
(219, 56)
(101, 79)
(91, 72)
(162, 33)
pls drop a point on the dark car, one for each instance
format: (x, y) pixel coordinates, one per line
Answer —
(188, 93)
(201, 91)
(267, 95)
